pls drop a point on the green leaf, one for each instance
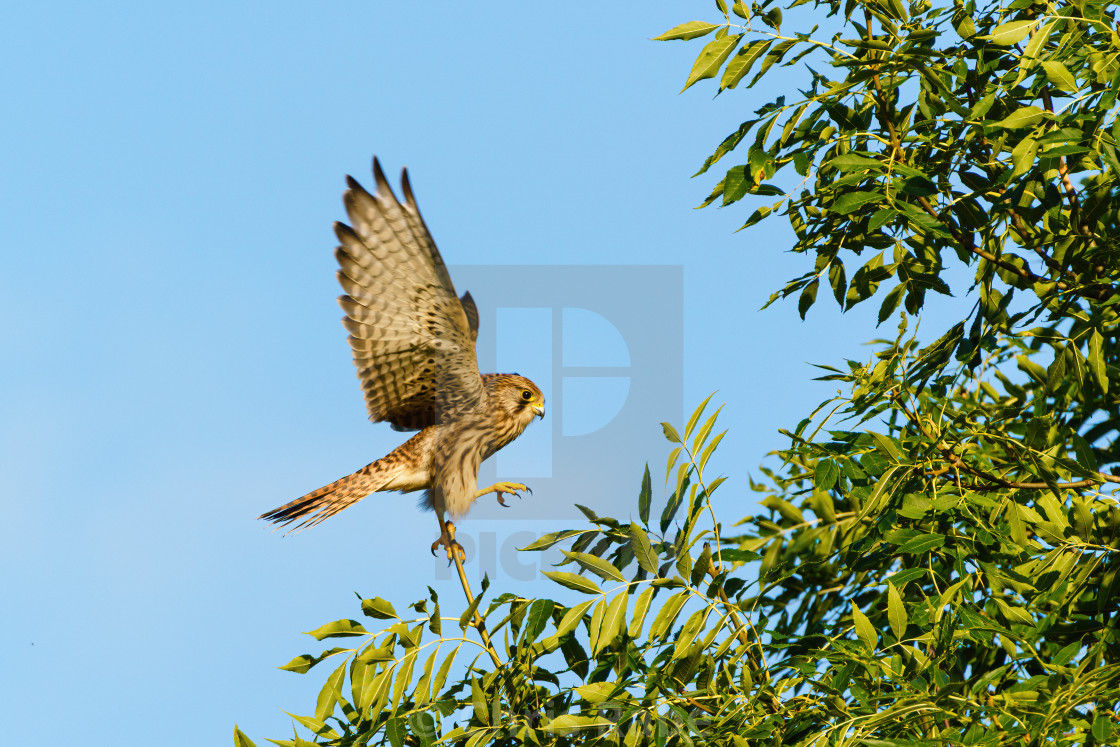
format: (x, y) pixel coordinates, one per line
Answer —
(444, 669)
(1010, 33)
(741, 64)
(886, 446)
(1059, 76)
(304, 662)
(837, 278)
(1024, 116)
(890, 302)
(695, 417)
(690, 30)
(787, 510)
(1085, 457)
(330, 693)
(864, 629)
(1018, 529)
(572, 581)
(467, 617)
(965, 27)
(826, 473)
(808, 297)
(240, 740)
(1096, 360)
(641, 607)
(645, 496)
(853, 162)
(316, 726)
(881, 217)
(671, 462)
(1102, 728)
(548, 540)
(684, 563)
(596, 692)
(435, 623)
(479, 702)
(374, 688)
(395, 731)
(672, 506)
(1023, 155)
(922, 543)
(1038, 40)
(689, 631)
(670, 433)
(700, 568)
(849, 202)
(705, 431)
(339, 629)
(601, 568)
(739, 556)
(643, 551)
(711, 59)
(572, 618)
(896, 612)
(378, 608)
(540, 612)
(569, 724)
(667, 615)
(612, 623)
(404, 677)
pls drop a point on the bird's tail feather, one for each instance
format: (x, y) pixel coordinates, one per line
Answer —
(328, 500)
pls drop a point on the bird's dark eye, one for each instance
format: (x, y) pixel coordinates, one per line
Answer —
(526, 395)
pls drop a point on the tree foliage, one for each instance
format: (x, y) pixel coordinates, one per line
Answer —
(935, 554)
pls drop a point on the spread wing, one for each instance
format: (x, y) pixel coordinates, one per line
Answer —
(412, 337)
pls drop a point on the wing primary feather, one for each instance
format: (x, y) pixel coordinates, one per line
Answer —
(406, 188)
(382, 182)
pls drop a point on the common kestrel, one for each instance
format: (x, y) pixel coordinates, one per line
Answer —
(413, 341)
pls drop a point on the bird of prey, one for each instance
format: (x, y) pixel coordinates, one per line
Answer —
(413, 341)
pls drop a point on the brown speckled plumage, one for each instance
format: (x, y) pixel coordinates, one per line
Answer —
(413, 341)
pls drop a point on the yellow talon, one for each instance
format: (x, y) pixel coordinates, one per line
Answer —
(513, 488)
(447, 540)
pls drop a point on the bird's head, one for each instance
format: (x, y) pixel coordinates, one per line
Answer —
(519, 397)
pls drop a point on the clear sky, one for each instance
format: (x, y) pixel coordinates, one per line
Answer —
(173, 363)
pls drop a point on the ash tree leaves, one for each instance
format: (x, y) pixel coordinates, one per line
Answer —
(945, 495)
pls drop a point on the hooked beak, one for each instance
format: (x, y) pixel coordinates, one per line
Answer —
(538, 410)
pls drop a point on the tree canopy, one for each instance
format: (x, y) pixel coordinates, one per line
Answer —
(934, 555)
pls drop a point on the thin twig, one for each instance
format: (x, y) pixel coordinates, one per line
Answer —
(477, 622)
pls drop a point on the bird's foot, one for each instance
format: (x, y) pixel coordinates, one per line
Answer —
(501, 488)
(447, 541)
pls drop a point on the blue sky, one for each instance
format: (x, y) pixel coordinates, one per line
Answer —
(174, 364)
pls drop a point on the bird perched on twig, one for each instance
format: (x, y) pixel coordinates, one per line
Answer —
(413, 341)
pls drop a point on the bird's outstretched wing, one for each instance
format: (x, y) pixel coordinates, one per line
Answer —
(412, 337)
